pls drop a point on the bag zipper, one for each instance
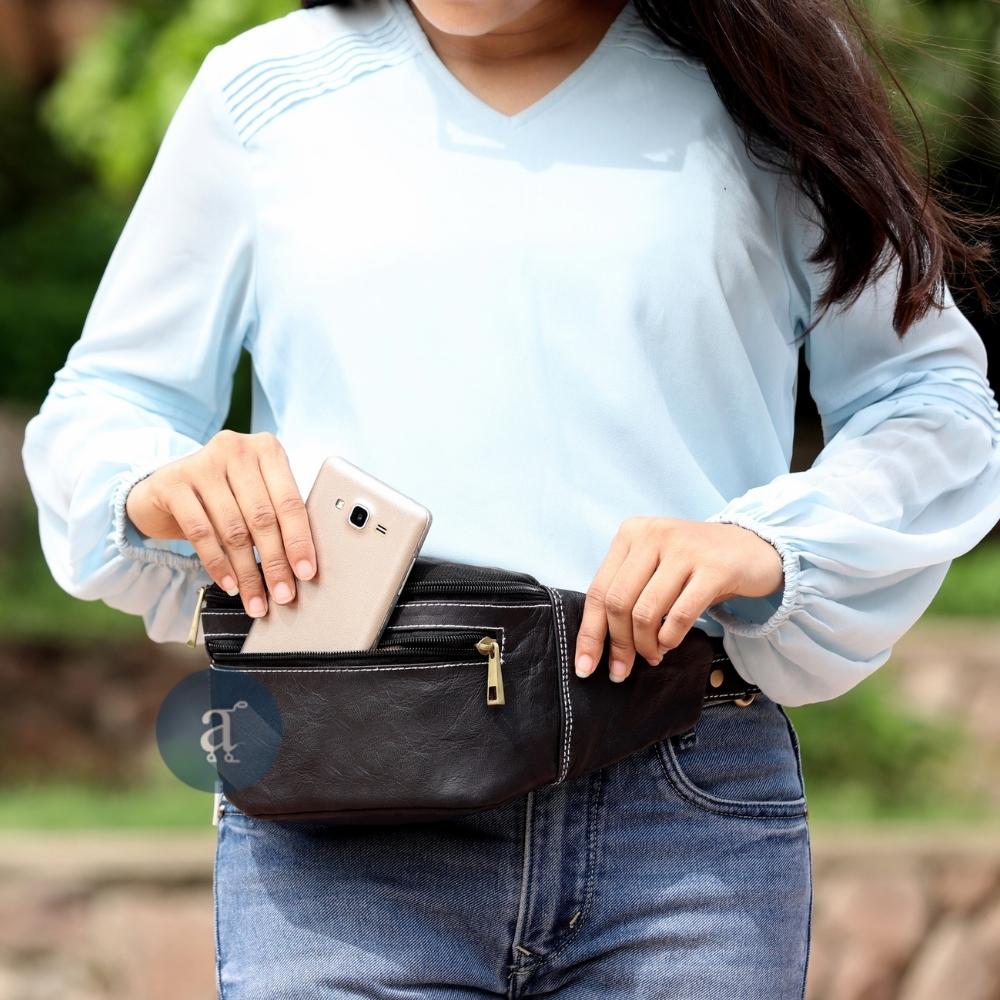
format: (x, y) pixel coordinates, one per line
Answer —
(512, 586)
(214, 594)
(461, 639)
(497, 588)
(192, 638)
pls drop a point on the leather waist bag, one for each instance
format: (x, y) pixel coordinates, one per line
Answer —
(468, 700)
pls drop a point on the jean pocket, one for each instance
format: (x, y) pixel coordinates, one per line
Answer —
(741, 761)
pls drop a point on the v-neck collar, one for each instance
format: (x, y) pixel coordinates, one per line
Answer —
(401, 10)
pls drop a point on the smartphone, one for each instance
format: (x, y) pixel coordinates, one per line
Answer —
(367, 536)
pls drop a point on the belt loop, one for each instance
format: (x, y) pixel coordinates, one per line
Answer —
(684, 741)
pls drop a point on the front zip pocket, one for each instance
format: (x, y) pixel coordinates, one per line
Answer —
(472, 582)
(419, 646)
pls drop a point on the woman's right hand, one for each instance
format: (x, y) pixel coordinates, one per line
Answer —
(235, 492)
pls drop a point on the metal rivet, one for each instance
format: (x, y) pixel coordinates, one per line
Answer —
(716, 677)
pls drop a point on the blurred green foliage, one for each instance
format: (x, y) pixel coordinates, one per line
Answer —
(57, 230)
(32, 605)
(72, 162)
(946, 54)
(114, 101)
(70, 167)
(865, 759)
(161, 801)
(972, 586)
(865, 756)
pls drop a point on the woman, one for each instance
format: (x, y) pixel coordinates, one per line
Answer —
(545, 266)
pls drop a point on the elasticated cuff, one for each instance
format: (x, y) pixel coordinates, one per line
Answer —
(129, 540)
(790, 597)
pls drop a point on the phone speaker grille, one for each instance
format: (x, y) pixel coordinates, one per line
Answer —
(380, 528)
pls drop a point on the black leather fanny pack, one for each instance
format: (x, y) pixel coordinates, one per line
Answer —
(468, 700)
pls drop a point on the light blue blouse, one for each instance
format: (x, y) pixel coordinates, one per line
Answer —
(537, 324)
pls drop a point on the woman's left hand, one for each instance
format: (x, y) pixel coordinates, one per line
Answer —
(659, 576)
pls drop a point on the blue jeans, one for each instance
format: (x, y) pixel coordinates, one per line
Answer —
(681, 873)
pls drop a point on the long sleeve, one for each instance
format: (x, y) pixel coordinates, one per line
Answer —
(150, 378)
(908, 479)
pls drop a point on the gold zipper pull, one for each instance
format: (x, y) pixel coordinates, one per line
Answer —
(488, 646)
(192, 638)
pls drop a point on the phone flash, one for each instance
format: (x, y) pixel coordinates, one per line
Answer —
(339, 504)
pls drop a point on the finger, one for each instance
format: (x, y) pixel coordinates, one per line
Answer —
(651, 606)
(630, 580)
(293, 519)
(196, 526)
(262, 521)
(593, 628)
(230, 526)
(237, 541)
(699, 591)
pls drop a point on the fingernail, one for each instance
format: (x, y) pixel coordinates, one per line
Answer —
(230, 586)
(282, 593)
(617, 670)
(584, 665)
(257, 608)
(304, 569)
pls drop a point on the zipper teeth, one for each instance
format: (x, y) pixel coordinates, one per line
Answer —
(215, 595)
(492, 586)
(457, 639)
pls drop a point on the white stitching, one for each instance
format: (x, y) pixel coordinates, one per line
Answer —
(305, 654)
(463, 626)
(454, 604)
(419, 628)
(710, 698)
(562, 690)
(343, 670)
(408, 604)
(569, 694)
(564, 681)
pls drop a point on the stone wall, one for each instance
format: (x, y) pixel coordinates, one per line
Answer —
(896, 917)
(906, 917)
(123, 916)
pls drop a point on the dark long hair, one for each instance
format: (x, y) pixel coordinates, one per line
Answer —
(797, 78)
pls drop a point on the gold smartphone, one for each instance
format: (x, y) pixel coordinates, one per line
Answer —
(367, 536)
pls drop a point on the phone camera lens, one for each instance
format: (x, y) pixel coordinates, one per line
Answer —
(359, 516)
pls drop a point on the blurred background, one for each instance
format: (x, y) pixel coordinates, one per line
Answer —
(105, 858)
